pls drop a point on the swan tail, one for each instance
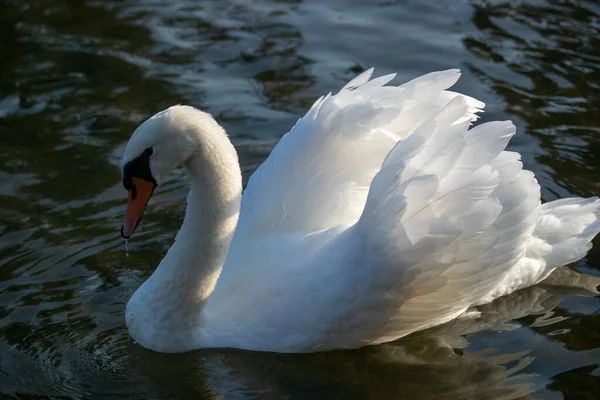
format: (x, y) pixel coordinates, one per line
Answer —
(564, 230)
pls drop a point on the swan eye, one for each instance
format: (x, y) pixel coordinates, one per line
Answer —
(148, 152)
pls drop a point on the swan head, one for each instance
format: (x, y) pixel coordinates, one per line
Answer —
(159, 145)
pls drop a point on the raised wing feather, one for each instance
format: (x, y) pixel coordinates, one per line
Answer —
(447, 218)
(318, 176)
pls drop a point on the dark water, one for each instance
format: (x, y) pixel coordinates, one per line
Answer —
(76, 77)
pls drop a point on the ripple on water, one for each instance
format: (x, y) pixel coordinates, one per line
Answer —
(77, 78)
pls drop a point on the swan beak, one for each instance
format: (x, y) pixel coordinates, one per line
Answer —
(138, 195)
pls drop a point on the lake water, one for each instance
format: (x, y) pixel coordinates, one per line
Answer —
(77, 77)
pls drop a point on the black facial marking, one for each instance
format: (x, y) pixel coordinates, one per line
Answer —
(140, 168)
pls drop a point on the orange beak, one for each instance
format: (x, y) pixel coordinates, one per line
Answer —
(138, 196)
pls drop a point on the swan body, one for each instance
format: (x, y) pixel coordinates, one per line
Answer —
(381, 213)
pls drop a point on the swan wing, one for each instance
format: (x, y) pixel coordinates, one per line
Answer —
(447, 218)
(442, 220)
(452, 221)
(318, 175)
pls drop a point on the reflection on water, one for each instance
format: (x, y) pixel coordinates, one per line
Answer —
(76, 77)
(548, 55)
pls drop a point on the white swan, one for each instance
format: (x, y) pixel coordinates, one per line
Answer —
(377, 215)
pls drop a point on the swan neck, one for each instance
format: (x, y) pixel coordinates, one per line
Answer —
(169, 304)
(212, 211)
(188, 273)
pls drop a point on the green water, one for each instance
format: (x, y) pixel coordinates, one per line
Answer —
(76, 77)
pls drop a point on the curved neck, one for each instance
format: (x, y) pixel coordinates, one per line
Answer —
(186, 276)
(201, 245)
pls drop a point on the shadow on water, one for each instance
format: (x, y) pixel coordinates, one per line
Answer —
(76, 77)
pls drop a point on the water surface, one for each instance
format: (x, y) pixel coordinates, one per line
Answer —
(77, 77)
